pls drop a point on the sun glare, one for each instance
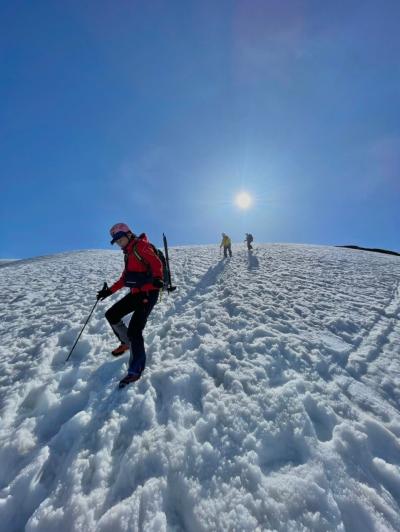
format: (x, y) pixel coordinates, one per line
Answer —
(243, 200)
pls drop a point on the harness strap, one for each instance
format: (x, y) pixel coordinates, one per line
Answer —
(141, 259)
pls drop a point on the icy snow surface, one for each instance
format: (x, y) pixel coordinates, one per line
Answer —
(270, 400)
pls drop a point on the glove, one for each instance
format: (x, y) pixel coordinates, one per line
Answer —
(103, 293)
(158, 283)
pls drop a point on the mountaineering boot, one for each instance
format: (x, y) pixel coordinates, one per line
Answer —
(120, 350)
(128, 379)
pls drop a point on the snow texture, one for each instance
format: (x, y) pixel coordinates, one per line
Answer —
(270, 400)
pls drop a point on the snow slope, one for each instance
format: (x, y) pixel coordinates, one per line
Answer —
(270, 399)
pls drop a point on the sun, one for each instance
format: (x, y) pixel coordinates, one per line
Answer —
(243, 200)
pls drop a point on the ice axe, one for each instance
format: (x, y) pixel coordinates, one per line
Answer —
(170, 288)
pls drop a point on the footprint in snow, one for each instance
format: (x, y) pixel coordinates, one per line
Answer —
(322, 420)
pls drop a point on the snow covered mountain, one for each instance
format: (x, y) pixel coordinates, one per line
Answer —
(270, 400)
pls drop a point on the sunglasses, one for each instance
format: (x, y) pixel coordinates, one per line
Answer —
(117, 236)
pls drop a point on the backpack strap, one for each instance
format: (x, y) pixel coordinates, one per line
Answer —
(140, 258)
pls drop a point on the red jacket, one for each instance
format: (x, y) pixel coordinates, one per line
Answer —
(133, 264)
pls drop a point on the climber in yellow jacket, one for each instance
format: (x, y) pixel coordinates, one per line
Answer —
(226, 244)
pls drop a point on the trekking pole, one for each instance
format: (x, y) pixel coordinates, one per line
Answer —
(170, 288)
(86, 322)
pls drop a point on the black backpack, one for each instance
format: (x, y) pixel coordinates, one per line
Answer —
(250, 238)
(161, 256)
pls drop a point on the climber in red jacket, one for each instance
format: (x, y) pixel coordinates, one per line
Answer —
(143, 274)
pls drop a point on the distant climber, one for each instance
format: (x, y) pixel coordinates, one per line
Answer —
(143, 274)
(249, 239)
(226, 243)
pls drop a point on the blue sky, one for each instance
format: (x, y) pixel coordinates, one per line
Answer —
(158, 113)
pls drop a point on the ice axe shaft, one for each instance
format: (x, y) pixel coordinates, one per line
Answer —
(170, 288)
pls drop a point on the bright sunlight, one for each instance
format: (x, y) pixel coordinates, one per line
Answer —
(243, 200)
